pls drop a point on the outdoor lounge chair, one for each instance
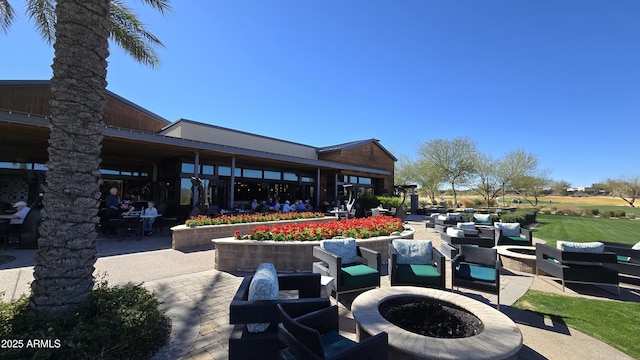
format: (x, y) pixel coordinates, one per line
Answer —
(453, 238)
(353, 268)
(628, 259)
(512, 234)
(477, 268)
(244, 344)
(315, 335)
(416, 263)
(582, 263)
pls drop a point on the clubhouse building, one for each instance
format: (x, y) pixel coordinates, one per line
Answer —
(185, 163)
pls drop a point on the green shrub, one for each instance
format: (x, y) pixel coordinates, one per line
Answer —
(120, 322)
(591, 212)
(389, 202)
(620, 213)
(525, 217)
(368, 202)
(478, 202)
(609, 213)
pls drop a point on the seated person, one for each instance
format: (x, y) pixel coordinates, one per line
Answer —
(308, 206)
(125, 209)
(148, 222)
(21, 212)
(254, 205)
(286, 207)
(300, 206)
(276, 205)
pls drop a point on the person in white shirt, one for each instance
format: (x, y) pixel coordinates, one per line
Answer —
(148, 222)
(21, 212)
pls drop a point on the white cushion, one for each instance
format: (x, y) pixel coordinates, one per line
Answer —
(586, 247)
(434, 215)
(482, 217)
(415, 252)
(443, 217)
(636, 246)
(454, 216)
(453, 232)
(263, 286)
(345, 248)
(508, 229)
(466, 225)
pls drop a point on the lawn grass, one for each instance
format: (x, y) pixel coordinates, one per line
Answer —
(586, 228)
(613, 322)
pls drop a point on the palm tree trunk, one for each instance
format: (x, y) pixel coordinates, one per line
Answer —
(66, 255)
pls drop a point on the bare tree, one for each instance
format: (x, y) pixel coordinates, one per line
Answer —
(487, 184)
(515, 164)
(532, 186)
(454, 159)
(627, 188)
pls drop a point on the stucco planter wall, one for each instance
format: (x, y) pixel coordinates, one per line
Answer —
(246, 255)
(184, 237)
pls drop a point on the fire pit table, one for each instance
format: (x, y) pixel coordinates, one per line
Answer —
(518, 258)
(498, 338)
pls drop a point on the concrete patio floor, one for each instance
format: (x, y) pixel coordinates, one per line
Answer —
(197, 298)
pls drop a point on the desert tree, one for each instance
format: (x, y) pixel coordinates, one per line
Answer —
(626, 188)
(487, 183)
(455, 160)
(514, 164)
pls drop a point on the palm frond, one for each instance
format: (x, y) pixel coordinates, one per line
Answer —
(7, 15)
(130, 34)
(43, 13)
(161, 5)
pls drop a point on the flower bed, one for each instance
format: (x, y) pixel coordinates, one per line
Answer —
(233, 254)
(202, 220)
(308, 231)
(184, 237)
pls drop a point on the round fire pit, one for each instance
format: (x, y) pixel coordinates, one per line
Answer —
(497, 336)
(518, 258)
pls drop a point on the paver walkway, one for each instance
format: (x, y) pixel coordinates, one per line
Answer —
(197, 298)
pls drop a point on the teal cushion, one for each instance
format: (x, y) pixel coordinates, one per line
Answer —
(476, 272)
(263, 286)
(418, 274)
(345, 248)
(624, 258)
(488, 223)
(357, 276)
(333, 343)
(413, 251)
(517, 239)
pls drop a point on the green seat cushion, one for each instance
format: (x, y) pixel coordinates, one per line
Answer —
(333, 343)
(486, 223)
(357, 276)
(517, 239)
(476, 272)
(624, 258)
(418, 274)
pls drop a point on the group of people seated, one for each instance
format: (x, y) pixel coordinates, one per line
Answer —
(117, 209)
(273, 205)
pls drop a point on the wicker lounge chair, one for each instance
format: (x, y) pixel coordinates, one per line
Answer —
(425, 270)
(577, 266)
(628, 259)
(244, 344)
(477, 268)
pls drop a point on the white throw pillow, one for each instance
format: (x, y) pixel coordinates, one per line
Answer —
(587, 247)
(453, 232)
(636, 246)
(454, 216)
(508, 229)
(416, 252)
(466, 225)
(263, 286)
(482, 217)
(345, 248)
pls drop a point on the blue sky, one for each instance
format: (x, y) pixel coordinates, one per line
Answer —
(559, 79)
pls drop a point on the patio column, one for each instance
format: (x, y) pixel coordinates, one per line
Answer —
(317, 188)
(196, 174)
(232, 187)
